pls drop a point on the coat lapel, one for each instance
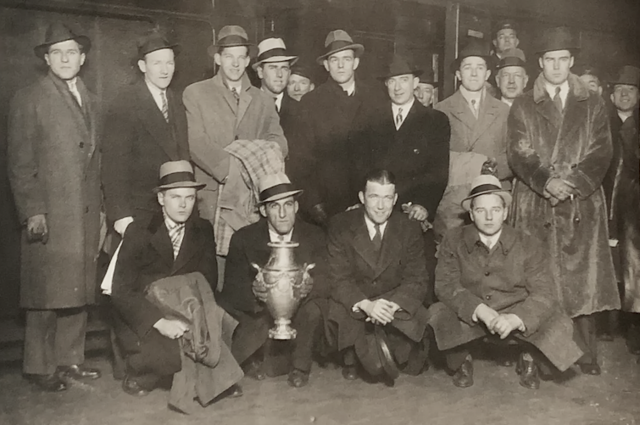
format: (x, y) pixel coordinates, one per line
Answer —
(412, 116)
(363, 245)
(462, 111)
(153, 120)
(544, 105)
(391, 245)
(575, 110)
(487, 115)
(191, 244)
(90, 114)
(160, 240)
(61, 88)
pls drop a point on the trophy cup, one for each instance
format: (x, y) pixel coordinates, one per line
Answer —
(281, 284)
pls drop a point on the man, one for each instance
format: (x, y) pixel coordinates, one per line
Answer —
(560, 150)
(589, 76)
(505, 37)
(512, 75)
(426, 91)
(54, 170)
(251, 345)
(379, 277)
(492, 279)
(173, 244)
(329, 112)
(478, 132)
(300, 82)
(146, 127)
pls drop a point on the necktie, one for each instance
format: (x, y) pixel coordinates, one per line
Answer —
(235, 93)
(275, 100)
(557, 100)
(176, 232)
(474, 107)
(73, 88)
(399, 118)
(377, 238)
(165, 106)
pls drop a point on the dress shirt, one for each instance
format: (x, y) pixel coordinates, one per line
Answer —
(156, 92)
(351, 88)
(405, 111)
(176, 234)
(509, 102)
(490, 241)
(276, 237)
(624, 115)
(371, 227)
(278, 100)
(564, 91)
(73, 88)
(470, 96)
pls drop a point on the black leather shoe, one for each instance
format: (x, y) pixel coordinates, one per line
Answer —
(255, 369)
(298, 378)
(463, 378)
(350, 373)
(78, 372)
(131, 387)
(529, 375)
(590, 368)
(49, 383)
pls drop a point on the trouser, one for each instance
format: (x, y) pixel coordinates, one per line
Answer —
(584, 335)
(157, 357)
(222, 261)
(54, 338)
(455, 357)
(430, 249)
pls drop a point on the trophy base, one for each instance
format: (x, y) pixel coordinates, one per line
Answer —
(282, 331)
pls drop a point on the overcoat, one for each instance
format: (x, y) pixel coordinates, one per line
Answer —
(215, 119)
(136, 141)
(54, 169)
(575, 146)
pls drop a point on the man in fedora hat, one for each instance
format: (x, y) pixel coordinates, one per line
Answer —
(411, 141)
(478, 131)
(378, 272)
(505, 37)
(511, 76)
(300, 81)
(251, 345)
(174, 243)
(146, 126)
(426, 90)
(54, 170)
(560, 150)
(493, 279)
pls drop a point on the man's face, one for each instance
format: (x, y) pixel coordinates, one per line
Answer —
(506, 39)
(232, 61)
(178, 203)
(378, 200)
(299, 86)
(625, 97)
(401, 87)
(158, 67)
(473, 73)
(65, 59)
(512, 81)
(274, 76)
(342, 65)
(593, 83)
(280, 214)
(556, 66)
(488, 213)
(424, 93)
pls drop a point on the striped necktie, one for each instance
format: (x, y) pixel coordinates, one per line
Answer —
(176, 234)
(235, 93)
(399, 118)
(165, 106)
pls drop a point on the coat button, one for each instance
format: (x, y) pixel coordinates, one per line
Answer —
(487, 297)
(81, 144)
(86, 210)
(551, 167)
(236, 137)
(487, 273)
(416, 151)
(547, 225)
(574, 166)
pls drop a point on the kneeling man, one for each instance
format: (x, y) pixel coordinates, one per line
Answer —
(493, 279)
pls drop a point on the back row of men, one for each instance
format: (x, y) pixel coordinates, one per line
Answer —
(555, 141)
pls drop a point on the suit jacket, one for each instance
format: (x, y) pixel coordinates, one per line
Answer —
(357, 272)
(417, 153)
(146, 256)
(137, 140)
(215, 119)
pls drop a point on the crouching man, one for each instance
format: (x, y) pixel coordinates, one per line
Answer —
(173, 253)
(492, 279)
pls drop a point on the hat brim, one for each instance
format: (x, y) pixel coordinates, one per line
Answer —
(388, 363)
(455, 65)
(274, 59)
(466, 202)
(213, 48)
(82, 40)
(175, 47)
(416, 73)
(573, 50)
(279, 196)
(357, 48)
(179, 185)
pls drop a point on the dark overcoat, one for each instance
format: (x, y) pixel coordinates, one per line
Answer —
(357, 272)
(575, 146)
(136, 141)
(514, 277)
(54, 169)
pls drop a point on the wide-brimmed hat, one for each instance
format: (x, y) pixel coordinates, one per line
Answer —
(483, 185)
(374, 353)
(512, 57)
(155, 41)
(273, 50)
(400, 66)
(230, 36)
(558, 38)
(276, 186)
(177, 174)
(303, 70)
(629, 75)
(475, 47)
(57, 33)
(428, 77)
(338, 41)
(504, 24)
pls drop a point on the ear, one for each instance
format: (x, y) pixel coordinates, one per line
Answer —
(416, 81)
(471, 216)
(83, 57)
(599, 91)
(312, 86)
(296, 206)
(326, 64)
(361, 197)
(263, 211)
(499, 77)
(526, 80)
(217, 59)
(541, 62)
(395, 198)
(571, 61)
(458, 75)
(260, 73)
(488, 74)
(46, 59)
(495, 43)
(356, 62)
(142, 66)
(161, 198)
(517, 42)
(611, 97)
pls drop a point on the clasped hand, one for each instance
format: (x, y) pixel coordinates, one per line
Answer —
(559, 190)
(496, 323)
(379, 311)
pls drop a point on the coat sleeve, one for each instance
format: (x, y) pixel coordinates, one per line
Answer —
(238, 278)
(344, 289)
(504, 171)
(22, 154)
(320, 271)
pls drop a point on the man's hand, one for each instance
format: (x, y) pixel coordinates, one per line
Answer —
(380, 310)
(121, 225)
(486, 315)
(504, 324)
(418, 213)
(560, 189)
(37, 230)
(171, 328)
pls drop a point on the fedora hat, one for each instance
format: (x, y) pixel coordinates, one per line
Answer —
(155, 41)
(337, 41)
(505, 24)
(177, 174)
(374, 353)
(475, 47)
(230, 36)
(57, 33)
(274, 187)
(428, 77)
(558, 38)
(628, 75)
(512, 57)
(303, 70)
(273, 50)
(400, 66)
(483, 185)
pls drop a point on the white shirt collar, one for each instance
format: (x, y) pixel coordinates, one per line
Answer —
(371, 227)
(275, 237)
(156, 93)
(624, 115)
(509, 102)
(279, 101)
(350, 88)
(564, 91)
(405, 111)
(490, 241)
(470, 96)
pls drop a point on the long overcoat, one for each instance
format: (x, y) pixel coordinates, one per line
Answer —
(575, 146)
(54, 169)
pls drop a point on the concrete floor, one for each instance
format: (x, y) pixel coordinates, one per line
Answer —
(496, 399)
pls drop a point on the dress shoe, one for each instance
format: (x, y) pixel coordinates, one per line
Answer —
(590, 368)
(255, 369)
(298, 378)
(49, 383)
(529, 375)
(506, 362)
(350, 373)
(78, 372)
(463, 378)
(131, 387)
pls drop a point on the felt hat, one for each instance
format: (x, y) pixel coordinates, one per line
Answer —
(338, 41)
(230, 36)
(628, 75)
(374, 353)
(475, 47)
(302, 70)
(485, 184)
(400, 66)
(155, 41)
(428, 77)
(276, 186)
(177, 174)
(57, 33)
(512, 57)
(505, 24)
(558, 38)
(273, 50)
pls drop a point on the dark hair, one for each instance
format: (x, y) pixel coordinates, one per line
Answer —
(504, 203)
(221, 49)
(378, 175)
(589, 70)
